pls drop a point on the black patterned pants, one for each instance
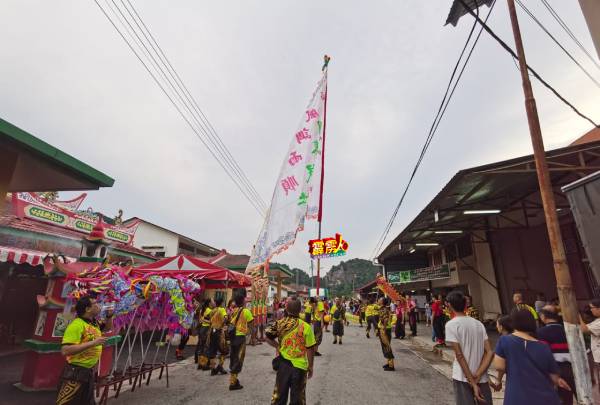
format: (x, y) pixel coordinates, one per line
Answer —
(289, 383)
(385, 339)
(77, 386)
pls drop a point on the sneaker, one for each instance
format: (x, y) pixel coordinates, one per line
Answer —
(368, 337)
(340, 342)
(214, 372)
(236, 386)
(221, 370)
(335, 342)
(318, 354)
(388, 368)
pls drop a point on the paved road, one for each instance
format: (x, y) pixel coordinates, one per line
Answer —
(347, 374)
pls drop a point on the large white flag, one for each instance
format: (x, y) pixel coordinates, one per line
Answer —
(296, 197)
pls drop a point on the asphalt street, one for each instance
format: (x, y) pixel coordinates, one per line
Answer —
(347, 374)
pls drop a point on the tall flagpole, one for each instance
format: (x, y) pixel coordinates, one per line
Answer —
(326, 60)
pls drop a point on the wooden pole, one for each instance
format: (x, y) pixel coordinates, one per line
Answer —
(320, 217)
(566, 293)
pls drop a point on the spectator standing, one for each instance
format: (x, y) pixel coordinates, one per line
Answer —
(427, 313)
(519, 304)
(540, 302)
(411, 311)
(399, 329)
(593, 329)
(504, 325)
(531, 372)
(473, 353)
(438, 320)
(553, 334)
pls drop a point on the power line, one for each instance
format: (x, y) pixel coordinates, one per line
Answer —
(157, 64)
(538, 22)
(239, 183)
(569, 32)
(217, 141)
(434, 126)
(533, 72)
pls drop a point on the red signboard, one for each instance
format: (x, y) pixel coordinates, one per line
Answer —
(34, 207)
(327, 247)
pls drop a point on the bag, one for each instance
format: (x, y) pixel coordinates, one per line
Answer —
(337, 314)
(276, 362)
(230, 333)
(77, 373)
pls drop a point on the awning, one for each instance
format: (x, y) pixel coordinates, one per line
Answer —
(211, 275)
(20, 256)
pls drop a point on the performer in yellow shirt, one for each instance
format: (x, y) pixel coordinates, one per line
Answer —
(319, 312)
(294, 340)
(203, 332)
(82, 346)
(242, 320)
(385, 332)
(372, 314)
(338, 318)
(216, 341)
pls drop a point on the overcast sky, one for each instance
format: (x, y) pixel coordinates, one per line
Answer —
(69, 79)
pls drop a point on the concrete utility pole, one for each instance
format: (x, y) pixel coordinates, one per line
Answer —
(566, 293)
(591, 13)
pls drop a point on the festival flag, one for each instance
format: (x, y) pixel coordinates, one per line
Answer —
(297, 194)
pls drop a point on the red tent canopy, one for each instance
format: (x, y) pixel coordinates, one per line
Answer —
(210, 275)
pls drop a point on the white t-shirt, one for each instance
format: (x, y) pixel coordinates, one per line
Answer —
(595, 342)
(470, 334)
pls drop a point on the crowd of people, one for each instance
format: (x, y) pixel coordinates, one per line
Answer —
(531, 352)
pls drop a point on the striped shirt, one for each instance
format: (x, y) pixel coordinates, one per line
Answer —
(553, 334)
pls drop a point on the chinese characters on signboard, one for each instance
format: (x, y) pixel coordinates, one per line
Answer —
(424, 274)
(328, 247)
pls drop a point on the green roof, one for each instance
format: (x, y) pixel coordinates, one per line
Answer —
(46, 156)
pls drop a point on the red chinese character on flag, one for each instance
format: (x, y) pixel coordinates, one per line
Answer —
(302, 135)
(311, 114)
(294, 158)
(289, 184)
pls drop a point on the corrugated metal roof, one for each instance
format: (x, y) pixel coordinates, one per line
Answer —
(458, 10)
(498, 185)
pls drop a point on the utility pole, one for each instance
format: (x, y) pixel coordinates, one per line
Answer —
(591, 13)
(566, 293)
(312, 276)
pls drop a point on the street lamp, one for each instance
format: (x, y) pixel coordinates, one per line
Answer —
(566, 293)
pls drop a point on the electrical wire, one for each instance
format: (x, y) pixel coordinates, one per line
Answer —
(434, 126)
(143, 52)
(217, 141)
(539, 23)
(157, 65)
(569, 32)
(533, 72)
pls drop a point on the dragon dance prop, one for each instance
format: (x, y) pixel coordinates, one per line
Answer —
(150, 302)
(388, 290)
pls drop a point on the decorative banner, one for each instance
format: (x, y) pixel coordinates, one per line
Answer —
(424, 274)
(327, 247)
(297, 191)
(32, 206)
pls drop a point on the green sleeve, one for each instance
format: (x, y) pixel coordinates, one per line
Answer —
(248, 315)
(309, 336)
(73, 333)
